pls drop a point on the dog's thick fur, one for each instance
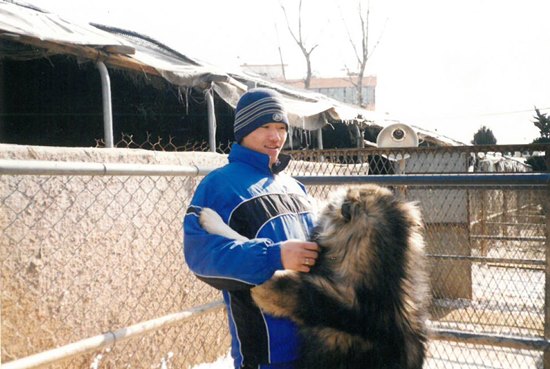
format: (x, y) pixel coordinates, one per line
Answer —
(364, 303)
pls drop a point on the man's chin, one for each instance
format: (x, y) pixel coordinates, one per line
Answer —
(273, 153)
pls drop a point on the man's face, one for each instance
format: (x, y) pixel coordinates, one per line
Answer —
(267, 139)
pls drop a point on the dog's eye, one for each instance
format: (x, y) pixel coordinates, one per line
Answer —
(346, 210)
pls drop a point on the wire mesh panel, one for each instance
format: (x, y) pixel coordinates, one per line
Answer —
(460, 355)
(488, 273)
(423, 160)
(83, 255)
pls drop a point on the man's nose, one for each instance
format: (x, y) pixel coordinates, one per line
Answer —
(275, 134)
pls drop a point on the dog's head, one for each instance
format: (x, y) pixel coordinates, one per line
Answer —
(365, 226)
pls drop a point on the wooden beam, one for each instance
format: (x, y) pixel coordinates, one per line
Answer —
(119, 49)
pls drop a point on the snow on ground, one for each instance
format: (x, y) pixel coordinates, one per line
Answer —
(223, 362)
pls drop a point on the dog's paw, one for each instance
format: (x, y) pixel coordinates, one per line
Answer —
(209, 219)
(278, 296)
(268, 300)
(213, 223)
(260, 293)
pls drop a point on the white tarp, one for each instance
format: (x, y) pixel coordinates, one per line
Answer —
(308, 110)
(305, 108)
(20, 20)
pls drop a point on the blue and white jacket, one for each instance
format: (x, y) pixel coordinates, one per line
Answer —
(267, 207)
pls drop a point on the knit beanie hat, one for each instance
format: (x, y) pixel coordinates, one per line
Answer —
(257, 107)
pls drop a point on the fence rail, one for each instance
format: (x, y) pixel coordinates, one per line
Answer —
(508, 179)
(39, 167)
(36, 167)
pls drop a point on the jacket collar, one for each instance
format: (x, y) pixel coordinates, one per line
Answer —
(257, 160)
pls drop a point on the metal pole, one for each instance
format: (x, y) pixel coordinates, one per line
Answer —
(41, 167)
(359, 135)
(470, 180)
(514, 342)
(211, 120)
(546, 209)
(320, 138)
(290, 134)
(107, 104)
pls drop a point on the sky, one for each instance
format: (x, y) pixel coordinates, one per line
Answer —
(450, 66)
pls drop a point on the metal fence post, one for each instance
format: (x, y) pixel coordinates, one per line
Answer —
(107, 104)
(546, 210)
(211, 119)
(483, 222)
(546, 204)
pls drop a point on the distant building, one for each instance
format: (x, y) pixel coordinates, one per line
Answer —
(342, 89)
(338, 88)
(270, 71)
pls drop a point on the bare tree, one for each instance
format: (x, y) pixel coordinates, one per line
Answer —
(300, 42)
(362, 53)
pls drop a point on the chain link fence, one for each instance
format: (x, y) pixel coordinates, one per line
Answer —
(171, 144)
(84, 255)
(88, 254)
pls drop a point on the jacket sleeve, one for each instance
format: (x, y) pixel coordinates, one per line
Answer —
(222, 262)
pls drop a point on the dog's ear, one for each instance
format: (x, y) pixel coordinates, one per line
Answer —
(346, 210)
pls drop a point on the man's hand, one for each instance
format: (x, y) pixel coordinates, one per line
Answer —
(299, 255)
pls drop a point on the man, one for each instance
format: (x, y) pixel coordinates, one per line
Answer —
(270, 208)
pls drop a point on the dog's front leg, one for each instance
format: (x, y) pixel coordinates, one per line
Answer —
(211, 221)
(279, 296)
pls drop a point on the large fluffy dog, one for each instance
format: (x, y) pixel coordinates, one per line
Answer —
(363, 305)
